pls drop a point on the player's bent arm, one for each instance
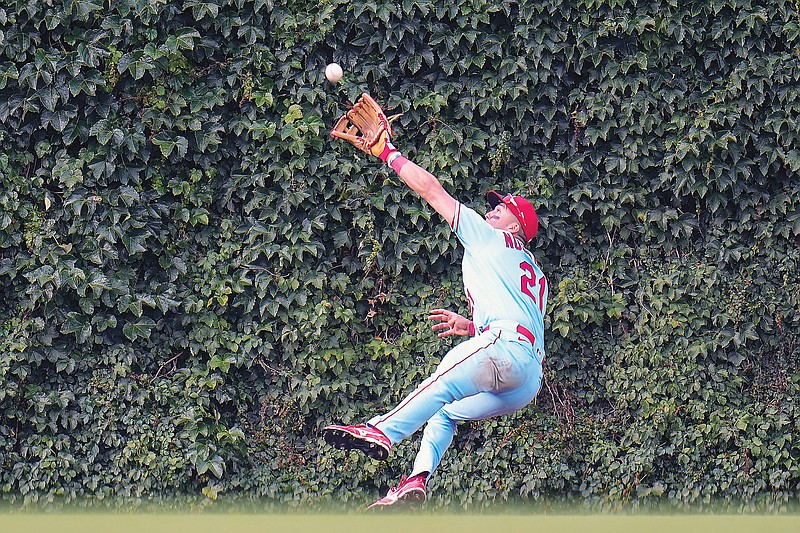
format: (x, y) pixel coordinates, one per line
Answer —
(428, 187)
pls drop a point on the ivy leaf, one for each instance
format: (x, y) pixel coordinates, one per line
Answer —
(793, 159)
(128, 195)
(75, 131)
(104, 322)
(48, 96)
(217, 465)
(99, 283)
(138, 329)
(41, 275)
(134, 244)
(82, 8)
(102, 169)
(294, 113)
(794, 220)
(183, 39)
(130, 303)
(222, 362)
(82, 85)
(61, 118)
(135, 63)
(262, 98)
(103, 130)
(199, 216)
(68, 173)
(182, 144)
(167, 142)
(205, 139)
(8, 72)
(77, 324)
(262, 129)
(211, 491)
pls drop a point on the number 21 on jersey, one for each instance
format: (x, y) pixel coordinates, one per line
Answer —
(530, 284)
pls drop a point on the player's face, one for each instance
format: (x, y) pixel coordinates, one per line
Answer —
(501, 217)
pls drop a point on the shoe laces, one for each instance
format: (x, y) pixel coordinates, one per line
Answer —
(396, 489)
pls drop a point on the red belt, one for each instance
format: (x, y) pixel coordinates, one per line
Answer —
(522, 330)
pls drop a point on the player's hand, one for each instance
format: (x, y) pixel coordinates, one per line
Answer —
(449, 323)
(366, 127)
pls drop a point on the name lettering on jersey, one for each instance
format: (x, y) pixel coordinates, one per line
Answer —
(513, 242)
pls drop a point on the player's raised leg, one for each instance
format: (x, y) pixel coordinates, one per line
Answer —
(440, 429)
(491, 362)
(450, 382)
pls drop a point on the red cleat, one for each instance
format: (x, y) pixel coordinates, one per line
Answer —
(410, 490)
(361, 437)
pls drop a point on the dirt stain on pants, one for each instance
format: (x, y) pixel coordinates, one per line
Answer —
(496, 374)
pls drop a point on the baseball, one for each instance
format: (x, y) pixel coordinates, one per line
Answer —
(333, 72)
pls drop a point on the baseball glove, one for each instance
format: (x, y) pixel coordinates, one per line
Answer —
(366, 126)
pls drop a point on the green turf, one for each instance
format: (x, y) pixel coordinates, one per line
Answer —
(406, 523)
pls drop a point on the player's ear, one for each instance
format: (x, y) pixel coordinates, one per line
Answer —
(514, 227)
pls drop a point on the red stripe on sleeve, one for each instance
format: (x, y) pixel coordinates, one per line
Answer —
(456, 217)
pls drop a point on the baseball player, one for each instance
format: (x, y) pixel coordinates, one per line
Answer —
(498, 369)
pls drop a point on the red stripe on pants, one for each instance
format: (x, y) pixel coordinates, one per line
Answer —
(423, 389)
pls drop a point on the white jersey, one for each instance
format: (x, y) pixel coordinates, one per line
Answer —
(502, 279)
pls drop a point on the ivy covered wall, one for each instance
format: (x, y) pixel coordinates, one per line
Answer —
(194, 278)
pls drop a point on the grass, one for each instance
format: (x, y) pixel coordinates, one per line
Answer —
(391, 523)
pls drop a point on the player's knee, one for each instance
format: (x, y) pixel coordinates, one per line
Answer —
(440, 421)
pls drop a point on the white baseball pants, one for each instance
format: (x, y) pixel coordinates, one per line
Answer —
(495, 373)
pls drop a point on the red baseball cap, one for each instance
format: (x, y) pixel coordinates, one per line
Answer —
(522, 209)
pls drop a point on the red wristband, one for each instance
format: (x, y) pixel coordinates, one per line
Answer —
(388, 150)
(471, 329)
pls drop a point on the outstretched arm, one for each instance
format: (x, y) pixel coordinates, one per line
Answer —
(427, 186)
(367, 128)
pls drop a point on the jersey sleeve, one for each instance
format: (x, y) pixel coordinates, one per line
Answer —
(471, 228)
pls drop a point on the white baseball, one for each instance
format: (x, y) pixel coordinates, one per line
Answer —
(333, 72)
